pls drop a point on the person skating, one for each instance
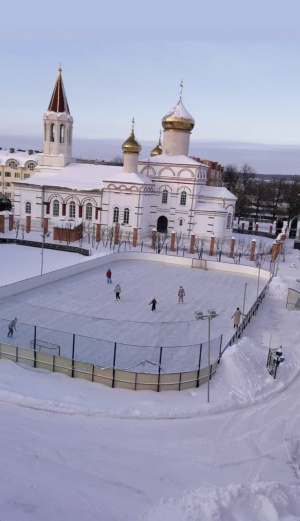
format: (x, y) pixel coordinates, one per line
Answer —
(237, 317)
(108, 276)
(181, 294)
(117, 291)
(12, 327)
(153, 302)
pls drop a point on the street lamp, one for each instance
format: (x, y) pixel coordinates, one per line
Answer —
(44, 235)
(211, 313)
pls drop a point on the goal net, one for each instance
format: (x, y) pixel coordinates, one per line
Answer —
(45, 347)
(293, 300)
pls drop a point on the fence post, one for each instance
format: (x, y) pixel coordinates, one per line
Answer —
(114, 362)
(158, 378)
(34, 347)
(220, 350)
(73, 355)
(199, 365)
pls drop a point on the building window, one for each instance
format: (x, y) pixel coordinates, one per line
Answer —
(31, 166)
(164, 198)
(228, 221)
(7, 174)
(17, 175)
(52, 133)
(13, 164)
(26, 176)
(8, 194)
(183, 199)
(62, 134)
(55, 208)
(180, 222)
(126, 216)
(7, 184)
(89, 212)
(72, 209)
(28, 208)
(116, 215)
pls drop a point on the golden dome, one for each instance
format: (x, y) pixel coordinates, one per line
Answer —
(157, 151)
(178, 119)
(131, 145)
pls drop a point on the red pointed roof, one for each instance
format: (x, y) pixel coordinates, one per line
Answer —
(58, 102)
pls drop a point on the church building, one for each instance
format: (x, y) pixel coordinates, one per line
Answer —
(168, 191)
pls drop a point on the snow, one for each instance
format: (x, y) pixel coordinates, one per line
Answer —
(21, 157)
(75, 450)
(180, 160)
(180, 112)
(77, 176)
(216, 191)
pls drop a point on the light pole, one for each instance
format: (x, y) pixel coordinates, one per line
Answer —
(44, 235)
(245, 290)
(258, 264)
(211, 313)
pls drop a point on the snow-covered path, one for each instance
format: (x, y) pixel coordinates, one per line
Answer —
(58, 465)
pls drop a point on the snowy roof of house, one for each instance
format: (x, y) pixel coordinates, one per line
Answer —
(19, 156)
(180, 160)
(80, 176)
(216, 191)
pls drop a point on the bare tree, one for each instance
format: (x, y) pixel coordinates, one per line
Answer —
(117, 160)
(16, 227)
(88, 229)
(179, 240)
(199, 246)
(160, 241)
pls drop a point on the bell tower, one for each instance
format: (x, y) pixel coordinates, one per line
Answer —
(58, 128)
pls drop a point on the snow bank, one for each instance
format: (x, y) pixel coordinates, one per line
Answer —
(258, 502)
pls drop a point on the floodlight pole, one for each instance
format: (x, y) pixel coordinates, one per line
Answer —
(44, 235)
(258, 280)
(208, 357)
(245, 290)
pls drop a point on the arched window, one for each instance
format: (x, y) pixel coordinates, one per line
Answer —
(116, 215)
(52, 133)
(13, 164)
(62, 134)
(229, 220)
(72, 210)
(28, 208)
(89, 211)
(180, 222)
(183, 199)
(31, 166)
(55, 208)
(164, 198)
(126, 216)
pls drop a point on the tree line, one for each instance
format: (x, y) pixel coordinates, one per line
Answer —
(262, 199)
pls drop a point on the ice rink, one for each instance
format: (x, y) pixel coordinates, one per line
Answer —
(85, 304)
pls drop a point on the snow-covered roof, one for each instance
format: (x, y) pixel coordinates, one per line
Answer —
(130, 177)
(80, 176)
(209, 207)
(216, 191)
(19, 156)
(180, 160)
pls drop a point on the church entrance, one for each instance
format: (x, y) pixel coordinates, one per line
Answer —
(162, 224)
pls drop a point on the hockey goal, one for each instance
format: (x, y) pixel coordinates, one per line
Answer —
(45, 347)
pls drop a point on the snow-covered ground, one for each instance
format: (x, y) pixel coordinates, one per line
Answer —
(73, 450)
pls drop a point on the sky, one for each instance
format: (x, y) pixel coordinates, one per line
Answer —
(72, 449)
(239, 63)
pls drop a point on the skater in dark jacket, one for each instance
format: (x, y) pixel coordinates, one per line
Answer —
(181, 294)
(153, 302)
(12, 327)
(108, 276)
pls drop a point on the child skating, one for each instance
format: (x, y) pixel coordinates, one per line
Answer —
(153, 302)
